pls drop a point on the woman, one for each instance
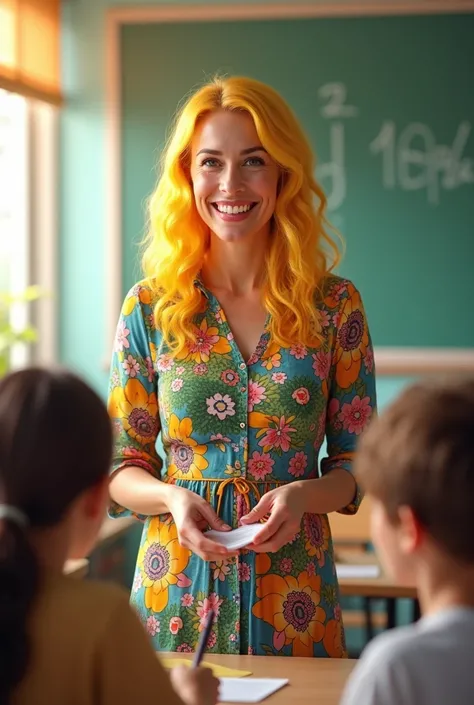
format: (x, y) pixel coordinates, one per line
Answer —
(244, 350)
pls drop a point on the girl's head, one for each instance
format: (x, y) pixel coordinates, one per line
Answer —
(236, 143)
(55, 452)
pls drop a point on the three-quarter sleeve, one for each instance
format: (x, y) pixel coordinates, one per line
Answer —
(352, 393)
(132, 400)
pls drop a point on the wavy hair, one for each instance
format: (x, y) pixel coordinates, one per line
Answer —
(177, 239)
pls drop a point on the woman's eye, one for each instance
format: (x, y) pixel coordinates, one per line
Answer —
(210, 162)
(255, 161)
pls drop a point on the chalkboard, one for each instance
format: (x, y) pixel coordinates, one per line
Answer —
(388, 104)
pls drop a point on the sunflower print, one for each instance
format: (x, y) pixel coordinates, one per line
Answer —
(230, 430)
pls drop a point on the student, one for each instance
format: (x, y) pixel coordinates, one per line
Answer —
(65, 641)
(417, 464)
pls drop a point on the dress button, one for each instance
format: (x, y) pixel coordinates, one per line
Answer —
(243, 389)
(242, 365)
(242, 425)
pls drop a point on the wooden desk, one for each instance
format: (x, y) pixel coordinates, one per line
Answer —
(313, 681)
(380, 587)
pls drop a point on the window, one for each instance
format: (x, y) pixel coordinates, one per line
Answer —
(28, 131)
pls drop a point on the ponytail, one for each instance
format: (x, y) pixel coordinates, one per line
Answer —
(19, 582)
(45, 416)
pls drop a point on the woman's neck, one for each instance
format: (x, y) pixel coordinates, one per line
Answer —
(234, 267)
(51, 547)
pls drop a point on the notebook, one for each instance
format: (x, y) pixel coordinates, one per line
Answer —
(218, 671)
(237, 538)
(354, 570)
(248, 690)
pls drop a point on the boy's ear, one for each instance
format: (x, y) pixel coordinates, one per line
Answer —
(410, 530)
(95, 498)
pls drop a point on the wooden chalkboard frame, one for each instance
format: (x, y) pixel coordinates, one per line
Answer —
(390, 361)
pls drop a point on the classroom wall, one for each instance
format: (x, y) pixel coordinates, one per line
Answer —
(82, 193)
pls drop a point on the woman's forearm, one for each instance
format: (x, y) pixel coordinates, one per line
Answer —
(137, 490)
(329, 493)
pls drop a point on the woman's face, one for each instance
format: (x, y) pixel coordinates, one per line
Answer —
(234, 179)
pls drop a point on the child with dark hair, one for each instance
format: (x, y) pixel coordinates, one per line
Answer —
(65, 641)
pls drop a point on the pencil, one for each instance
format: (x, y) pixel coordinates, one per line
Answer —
(201, 647)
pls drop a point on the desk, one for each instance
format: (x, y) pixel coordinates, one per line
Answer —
(381, 587)
(313, 681)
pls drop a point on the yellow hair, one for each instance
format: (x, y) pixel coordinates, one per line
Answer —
(177, 239)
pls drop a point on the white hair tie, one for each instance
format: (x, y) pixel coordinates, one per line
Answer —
(13, 514)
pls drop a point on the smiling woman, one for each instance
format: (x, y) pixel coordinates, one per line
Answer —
(244, 350)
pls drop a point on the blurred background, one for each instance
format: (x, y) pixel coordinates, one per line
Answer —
(385, 92)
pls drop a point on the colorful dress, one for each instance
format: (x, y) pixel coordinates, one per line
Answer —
(231, 431)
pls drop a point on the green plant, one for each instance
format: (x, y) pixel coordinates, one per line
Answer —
(11, 335)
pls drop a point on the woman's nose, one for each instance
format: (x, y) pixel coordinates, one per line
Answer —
(231, 180)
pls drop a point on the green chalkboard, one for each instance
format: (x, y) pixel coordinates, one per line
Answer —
(388, 104)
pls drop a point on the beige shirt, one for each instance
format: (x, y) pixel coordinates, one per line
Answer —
(89, 648)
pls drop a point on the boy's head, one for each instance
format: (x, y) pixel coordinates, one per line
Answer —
(416, 461)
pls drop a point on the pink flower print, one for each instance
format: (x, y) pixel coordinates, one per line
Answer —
(251, 650)
(256, 394)
(322, 364)
(237, 626)
(298, 464)
(235, 447)
(324, 318)
(278, 437)
(211, 642)
(150, 371)
(260, 465)
(176, 623)
(121, 337)
(230, 336)
(137, 582)
(336, 319)
(244, 572)
(337, 290)
(187, 600)
(131, 366)
(200, 369)
(355, 415)
(230, 377)
(220, 569)
(321, 432)
(338, 613)
(176, 384)
(301, 396)
(164, 363)
(219, 317)
(333, 408)
(213, 602)
(369, 360)
(279, 377)
(184, 648)
(233, 637)
(180, 370)
(286, 564)
(311, 569)
(220, 406)
(252, 359)
(299, 352)
(152, 626)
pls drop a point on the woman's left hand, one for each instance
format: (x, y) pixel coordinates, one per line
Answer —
(284, 505)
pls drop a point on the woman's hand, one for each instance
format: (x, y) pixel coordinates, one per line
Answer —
(195, 686)
(286, 507)
(192, 515)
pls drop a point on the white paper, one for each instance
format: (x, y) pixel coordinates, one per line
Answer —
(248, 690)
(237, 538)
(354, 570)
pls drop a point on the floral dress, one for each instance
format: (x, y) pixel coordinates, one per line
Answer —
(231, 430)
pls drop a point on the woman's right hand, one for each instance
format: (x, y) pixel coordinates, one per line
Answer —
(192, 515)
(195, 686)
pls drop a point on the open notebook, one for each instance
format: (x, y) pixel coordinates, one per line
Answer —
(249, 690)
